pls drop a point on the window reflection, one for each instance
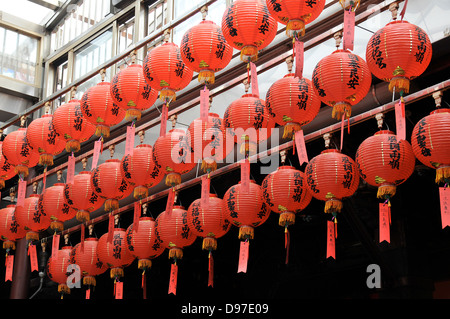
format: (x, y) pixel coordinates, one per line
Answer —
(18, 55)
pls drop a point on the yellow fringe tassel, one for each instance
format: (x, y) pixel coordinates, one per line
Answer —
(31, 235)
(64, 289)
(72, 146)
(21, 170)
(175, 252)
(246, 232)
(173, 179)
(140, 192)
(116, 272)
(209, 243)
(83, 216)
(387, 189)
(132, 114)
(249, 51)
(286, 218)
(442, 173)
(102, 130)
(400, 84)
(341, 108)
(249, 148)
(46, 160)
(333, 205)
(295, 26)
(290, 129)
(167, 93)
(57, 225)
(8, 244)
(144, 264)
(2, 183)
(89, 281)
(111, 204)
(206, 76)
(208, 165)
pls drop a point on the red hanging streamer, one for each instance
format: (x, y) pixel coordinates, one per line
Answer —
(70, 169)
(444, 197)
(245, 175)
(164, 116)
(299, 140)
(205, 191)
(55, 246)
(287, 241)
(170, 200)
(173, 279)
(299, 55)
(21, 192)
(384, 222)
(129, 142)
(110, 227)
(82, 238)
(400, 120)
(137, 215)
(254, 75)
(349, 30)
(204, 104)
(331, 238)
(33, 257)
(9, 263)
(210, 270)
(98, 145)
(243, 256)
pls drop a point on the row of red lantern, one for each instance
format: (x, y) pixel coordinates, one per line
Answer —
(336, 184)
(133, 89)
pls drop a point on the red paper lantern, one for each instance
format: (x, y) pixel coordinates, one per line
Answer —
(42, 136)
(57, 269)
(115, 253)
(19, 152)
(7, 170)
(245, 210)
(71, 125)
(385, 162)
(205, 50)
(248, 26)
(295, 14)
(87, 259)
(207, 140)
(430, 141)
(81, 197)
(131, 92)
(173, 154)
(173, 231)
(332, 176)
(10, 229)
(141, 241)
(166, 72)
(137, 168)
(99, 109)
(285, 192)
(292, 102)
(31, 218)
(52, 204)
(108, 183)
(398, 53)
(208, 221)
(341, 79)
(248, 120)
